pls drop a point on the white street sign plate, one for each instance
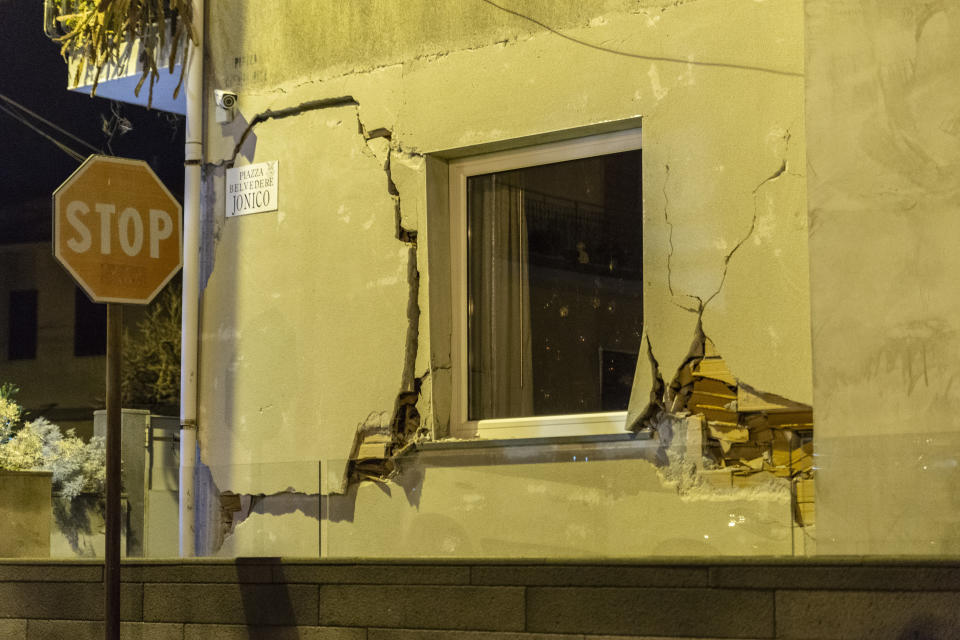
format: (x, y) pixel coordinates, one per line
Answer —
(253, 188)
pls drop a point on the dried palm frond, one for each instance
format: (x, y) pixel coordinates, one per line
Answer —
(98, 31)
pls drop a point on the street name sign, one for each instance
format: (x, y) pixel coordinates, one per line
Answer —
(253, 188)
(117, 230)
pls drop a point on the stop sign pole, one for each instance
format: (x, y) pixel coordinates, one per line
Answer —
(117, 230)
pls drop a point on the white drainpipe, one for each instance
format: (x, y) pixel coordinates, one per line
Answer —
(193, 158)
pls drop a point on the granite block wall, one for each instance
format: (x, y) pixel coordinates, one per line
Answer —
(321, 600)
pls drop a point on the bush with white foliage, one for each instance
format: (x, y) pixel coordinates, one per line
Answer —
(39, 445)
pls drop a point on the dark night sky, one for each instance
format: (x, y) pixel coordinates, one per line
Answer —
(33, 73)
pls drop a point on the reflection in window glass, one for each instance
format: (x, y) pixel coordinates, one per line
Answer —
(555, 305)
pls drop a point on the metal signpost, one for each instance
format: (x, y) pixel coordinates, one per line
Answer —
(117, 230)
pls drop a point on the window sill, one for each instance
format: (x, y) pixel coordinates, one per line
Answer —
(585, 424)
(493, 443)
(510, 451)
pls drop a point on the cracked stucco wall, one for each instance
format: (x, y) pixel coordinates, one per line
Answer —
(883, 111)
(307, 329)
(282, 382)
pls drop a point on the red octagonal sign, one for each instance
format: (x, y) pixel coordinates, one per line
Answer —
(117, 230)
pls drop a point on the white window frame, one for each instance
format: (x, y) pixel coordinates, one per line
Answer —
(459, 170)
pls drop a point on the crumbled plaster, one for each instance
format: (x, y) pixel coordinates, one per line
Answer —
(682, 466)
(696, 452)
(259, 525)
(435, 120)
(401, 429)
(404, 278)
(771, 258)
(380, 144)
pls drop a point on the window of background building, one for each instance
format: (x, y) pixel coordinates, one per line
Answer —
(552, 300)
(22, 338)
(89, 326)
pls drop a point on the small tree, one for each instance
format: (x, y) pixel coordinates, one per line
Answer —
(151, 369)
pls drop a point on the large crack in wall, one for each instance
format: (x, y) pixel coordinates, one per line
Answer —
(384, 435)
(736, 439)
(725, 450)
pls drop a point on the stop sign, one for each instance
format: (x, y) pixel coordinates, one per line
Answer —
(116, 229)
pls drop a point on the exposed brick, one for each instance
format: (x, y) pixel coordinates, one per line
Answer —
(591, 576)
(424, 607)
(252, 604)
(421, 634)
(849, 578)
(829, 615)
(240, 632)
(372, 574)
(51, 572)
(65, 600)
(90, 630)
(724, 613)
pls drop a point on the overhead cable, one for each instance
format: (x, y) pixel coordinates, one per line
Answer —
(48, 123)
(63, 147)
(641, 56)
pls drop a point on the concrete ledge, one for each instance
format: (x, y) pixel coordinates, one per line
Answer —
(300, 599)
(51, 571)
(89, 630)
(840, 615)
(725, 613)
(424, 607)
(65, 601)
(315, 573)
(871, 578)
(234, 572)
(252, 604)
(13, 628)
(591, 576)
(241, 632)
(420, 634)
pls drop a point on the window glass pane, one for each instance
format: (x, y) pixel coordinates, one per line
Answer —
(22, 341)
(555, 307)
(89, 326)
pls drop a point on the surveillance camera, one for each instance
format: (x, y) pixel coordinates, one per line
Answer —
(225, 99)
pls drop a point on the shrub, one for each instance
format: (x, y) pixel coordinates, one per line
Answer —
(10, 411)
(39, 445)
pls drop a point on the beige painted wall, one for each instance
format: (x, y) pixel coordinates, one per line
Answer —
(307, 330)
(479, 504)
(55, 377)
(883, 110)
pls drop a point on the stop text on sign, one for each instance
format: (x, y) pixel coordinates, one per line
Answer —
(129, 227)
(117, 230)
(253, 188)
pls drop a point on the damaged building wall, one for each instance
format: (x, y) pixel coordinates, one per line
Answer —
(883, 113)
(305, 325)
(320, 318)
(564, 503)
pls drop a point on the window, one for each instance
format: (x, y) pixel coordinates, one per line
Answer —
(89, 326)
(548, 304)
(22, 339)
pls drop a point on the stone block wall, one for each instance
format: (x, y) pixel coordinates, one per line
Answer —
(314, 600)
